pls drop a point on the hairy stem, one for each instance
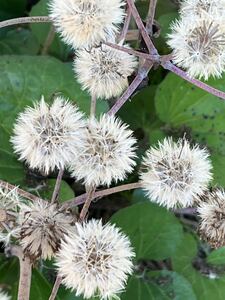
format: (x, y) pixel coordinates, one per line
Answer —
(142, 73)
(150, 16)
(56, 191)
(87, 203)
(55, 288)
(25, 278)
(81, 199)
(125, 25)
(93, 106)
(49, 39)
(25, 272)
(169, 66)
(25, 20)
(21, 192)
(151, 48)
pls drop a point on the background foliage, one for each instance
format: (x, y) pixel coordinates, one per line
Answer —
(171, 262)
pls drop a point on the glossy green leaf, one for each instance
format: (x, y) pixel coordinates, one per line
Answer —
(206, 287)
(217, 257)
(154, 232)
(66, 192)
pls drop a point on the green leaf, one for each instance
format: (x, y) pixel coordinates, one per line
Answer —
(217, 257)
(18, 41)
(154, 232)
(66, 192)
(40, 31)
(205, 287)
(138, 289)
(174, 285)
(182, 105)
(23, 79)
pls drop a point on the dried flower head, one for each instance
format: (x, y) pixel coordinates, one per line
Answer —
(96, 260)
(199, 46)
(202, 8)
(83, 23)
(104, 71)
(175, 174)
(46, 136)
(9, 203)
(107, 152)
(212, 219)
(42, 227)
(4, 296)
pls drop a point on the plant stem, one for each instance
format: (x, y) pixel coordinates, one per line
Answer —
(133, 52)
(169, 66)
(125, 25)
(56, 191)
(151, 48)
(49, 39)
(55, 288)
(142, 73)
(25, 278)
(25, 20)
(25, 272)
(93, 106)
(81, 199)
(21, 192)
(150, 16)
(87, 203)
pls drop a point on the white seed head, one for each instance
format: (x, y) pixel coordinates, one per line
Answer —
(4, 296)
(175, 175)
(96, 260)
(212, 218)
(199, 46)
(107, 152)
(46, 136)
(104, 71)
(84, 23)
(202, 8)
(42, 227)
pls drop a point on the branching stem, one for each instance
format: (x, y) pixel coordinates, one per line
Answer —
(25, 20)
(56, 191)
(55, 288)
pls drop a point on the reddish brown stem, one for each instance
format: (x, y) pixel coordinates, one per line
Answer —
(151, 48)
(150, 16)
(169, 66)
(56, 191)
(81, 199)
(55, 288)
(87, 204)
(142, 73)
(125, 25)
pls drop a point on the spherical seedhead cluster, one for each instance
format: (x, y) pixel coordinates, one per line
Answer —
(199, 46)
(42, 227)
(95, 260)
(46, 136)
(84, 23)
(212, 219)
(175, 175)
(202, 8)
(106, 153)
(197, 39)
(104, 71)
(4, 296)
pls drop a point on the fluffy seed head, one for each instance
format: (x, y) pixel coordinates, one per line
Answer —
(4, 296)
(42, 227)
(175, 175)
(107, 152)
(95, 260)
(104, 71)
(202, 8)
(199, 46)
(212, 218)
(46, 136)
(84, 23)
